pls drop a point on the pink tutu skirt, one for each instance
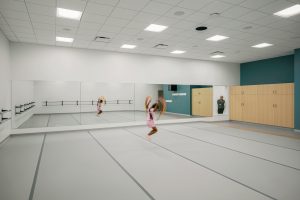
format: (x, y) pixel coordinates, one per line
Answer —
(150, 123)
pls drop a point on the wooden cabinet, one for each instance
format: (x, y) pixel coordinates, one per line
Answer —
(202, 101)
(271, 104)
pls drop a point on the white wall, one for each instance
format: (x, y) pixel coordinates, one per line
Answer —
(22, 92)
(40, 62)
(5, 83)
(217, 92)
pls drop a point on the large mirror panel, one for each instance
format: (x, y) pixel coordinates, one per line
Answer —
(45, 104)
(104, 103)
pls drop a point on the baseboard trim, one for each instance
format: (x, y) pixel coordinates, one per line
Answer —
(296, 130)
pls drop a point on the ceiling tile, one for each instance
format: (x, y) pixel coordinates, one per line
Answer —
(133, 4)
(252, 16)
(194, 4)
(15, 15)
(42, 18)
(51, 3)
(88, 17)
(146, 17)
(157, 8)
(71, 4)
(13, 5)
(124, 13)
(106, 2)
(95, 8)
(171, 2)
(117, 22)
(216, 7)
(235, 12)
(40, 9)
(171, 13)
(254, 4)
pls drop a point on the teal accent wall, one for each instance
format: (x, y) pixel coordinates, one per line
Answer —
(273, 70)
(297, 88)
(180, 104)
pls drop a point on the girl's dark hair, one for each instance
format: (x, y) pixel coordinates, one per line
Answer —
(101, 101)
(154, 105)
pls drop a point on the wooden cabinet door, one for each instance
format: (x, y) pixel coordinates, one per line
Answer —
(265, 111)
(202, 101)
(238, 108)
(232, 111)
(206, 105)
(195, 102)
(284, 110)
(249, 108)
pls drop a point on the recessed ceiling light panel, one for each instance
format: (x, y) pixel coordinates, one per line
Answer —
(69, 14)
(217, 38)
(262, 45)
(64, 39)
(128, 46)
(155, 28)
(289, 12)
(218, 56)
(177, 52)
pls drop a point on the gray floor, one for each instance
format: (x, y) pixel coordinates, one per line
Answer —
(183, 161)
(52, 120)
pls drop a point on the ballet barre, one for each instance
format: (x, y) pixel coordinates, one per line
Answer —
(24, 107)
(85, 103)
(3, 116)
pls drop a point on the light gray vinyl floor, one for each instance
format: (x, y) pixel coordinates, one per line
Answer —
(52, 120)
(189, 161)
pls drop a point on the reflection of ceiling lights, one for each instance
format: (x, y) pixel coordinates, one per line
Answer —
(69, 14)
(64, 39)
(262, 45)
(177, 52)
(128, 46)
(217, 38)
(217, 56)
(155, 28)
(289, 12)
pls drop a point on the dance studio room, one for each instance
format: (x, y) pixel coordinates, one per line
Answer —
(149, 99)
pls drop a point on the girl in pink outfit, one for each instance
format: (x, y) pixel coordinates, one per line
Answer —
(161, 105)
(100, 103)
(150, 118)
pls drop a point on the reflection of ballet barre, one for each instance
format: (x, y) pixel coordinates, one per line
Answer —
(2, 115)
(85, 103)
(23, 107)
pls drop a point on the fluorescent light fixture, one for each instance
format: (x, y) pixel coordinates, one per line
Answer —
(69, 14)
(128, 46)
(64, 39)
(288, 12)
(155, 28)
(177, 52)
(217, 38)
(262, 45)
(218, 56)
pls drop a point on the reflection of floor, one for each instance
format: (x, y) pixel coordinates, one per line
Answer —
(51, 120)
(183, 161)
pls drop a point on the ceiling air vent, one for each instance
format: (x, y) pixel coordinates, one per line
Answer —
(102, 39)
(161, 46)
